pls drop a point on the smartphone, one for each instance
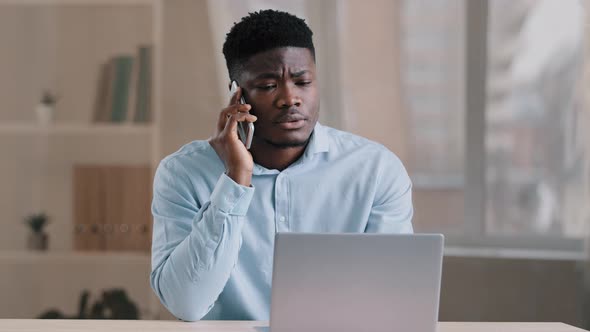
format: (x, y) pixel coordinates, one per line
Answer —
(245, 129)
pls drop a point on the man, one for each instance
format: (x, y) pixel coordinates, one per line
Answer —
(217, 205)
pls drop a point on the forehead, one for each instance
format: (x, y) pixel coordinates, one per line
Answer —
(276, 60)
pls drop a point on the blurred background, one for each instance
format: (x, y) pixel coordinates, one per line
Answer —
(485, 102)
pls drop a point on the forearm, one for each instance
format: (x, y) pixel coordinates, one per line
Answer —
(192, 277)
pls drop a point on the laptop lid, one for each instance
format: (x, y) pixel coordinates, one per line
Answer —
(356, 282)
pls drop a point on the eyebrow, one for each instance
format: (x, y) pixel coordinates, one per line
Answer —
(276, 75)
(299, 73)
(268, 75)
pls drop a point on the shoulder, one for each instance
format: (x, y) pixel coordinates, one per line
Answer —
(344, 143)
(196, 155)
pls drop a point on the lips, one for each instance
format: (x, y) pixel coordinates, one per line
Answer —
(291, 125)
(290, 122)
(289, 118)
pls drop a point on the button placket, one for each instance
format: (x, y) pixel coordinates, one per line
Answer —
(281, 201)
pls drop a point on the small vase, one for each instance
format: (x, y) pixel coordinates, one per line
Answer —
(44, 114)
(37, 241)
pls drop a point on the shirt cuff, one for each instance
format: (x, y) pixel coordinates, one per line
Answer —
(230, 197)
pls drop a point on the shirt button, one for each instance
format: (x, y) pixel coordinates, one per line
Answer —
(282, 219)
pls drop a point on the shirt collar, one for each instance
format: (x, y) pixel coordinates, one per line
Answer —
(318, 143)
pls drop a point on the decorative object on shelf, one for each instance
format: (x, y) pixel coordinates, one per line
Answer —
(46, 108)
(114, 304)
(38, 239)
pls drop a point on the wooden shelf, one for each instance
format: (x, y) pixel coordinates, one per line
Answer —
(74, 257)
(77, 129)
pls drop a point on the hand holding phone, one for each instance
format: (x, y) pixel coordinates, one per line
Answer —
(245, 129)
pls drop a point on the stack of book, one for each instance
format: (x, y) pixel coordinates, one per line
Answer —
(124, 88)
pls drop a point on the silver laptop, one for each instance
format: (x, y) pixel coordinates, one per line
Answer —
(356, 282)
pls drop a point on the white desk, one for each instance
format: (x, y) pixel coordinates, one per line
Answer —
(32, 325)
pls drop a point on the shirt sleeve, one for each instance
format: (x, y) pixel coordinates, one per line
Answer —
(195, 245)
(392, 208)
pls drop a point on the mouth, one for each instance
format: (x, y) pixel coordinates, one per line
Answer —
(291, 125)
(291, 122)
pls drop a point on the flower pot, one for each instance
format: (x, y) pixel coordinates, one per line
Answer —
(37, 241)
(44, 114)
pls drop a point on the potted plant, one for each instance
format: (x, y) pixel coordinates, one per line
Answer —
(46, 107)
(37, 239)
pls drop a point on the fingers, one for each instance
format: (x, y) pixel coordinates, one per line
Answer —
(228, 111)
(235, 98)
(232, 121)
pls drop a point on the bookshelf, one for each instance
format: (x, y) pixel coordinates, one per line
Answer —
(60, 45)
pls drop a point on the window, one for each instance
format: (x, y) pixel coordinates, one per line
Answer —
(433, 83)
(512, 170)
(536, 178)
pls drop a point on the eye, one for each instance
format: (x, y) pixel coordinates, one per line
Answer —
(303, 83)
(267, 87)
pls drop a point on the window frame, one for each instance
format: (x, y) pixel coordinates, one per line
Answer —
(474, 237)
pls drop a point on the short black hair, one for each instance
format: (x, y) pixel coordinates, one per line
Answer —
(261, 31)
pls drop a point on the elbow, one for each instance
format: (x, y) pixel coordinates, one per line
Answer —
(190, 316)
(184, 309)
(155, 285)
(181, 304)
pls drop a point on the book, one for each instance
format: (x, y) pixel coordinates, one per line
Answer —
(128, 208)
(133, 83)
(103, 98)
(88, 209)
(122, 75)
(144, 85)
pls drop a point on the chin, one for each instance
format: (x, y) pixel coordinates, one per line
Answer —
(289, 141)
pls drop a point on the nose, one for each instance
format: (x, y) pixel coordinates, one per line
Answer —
(288, 96)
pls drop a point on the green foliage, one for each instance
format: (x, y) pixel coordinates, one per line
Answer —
(49, 98)
(37, 222)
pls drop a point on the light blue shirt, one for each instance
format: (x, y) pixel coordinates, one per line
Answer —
(213, 239)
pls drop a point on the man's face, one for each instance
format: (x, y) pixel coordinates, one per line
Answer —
(281, 86)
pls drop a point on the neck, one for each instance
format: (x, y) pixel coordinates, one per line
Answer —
(274, 157)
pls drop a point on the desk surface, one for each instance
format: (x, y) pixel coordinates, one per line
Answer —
(33, 325)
